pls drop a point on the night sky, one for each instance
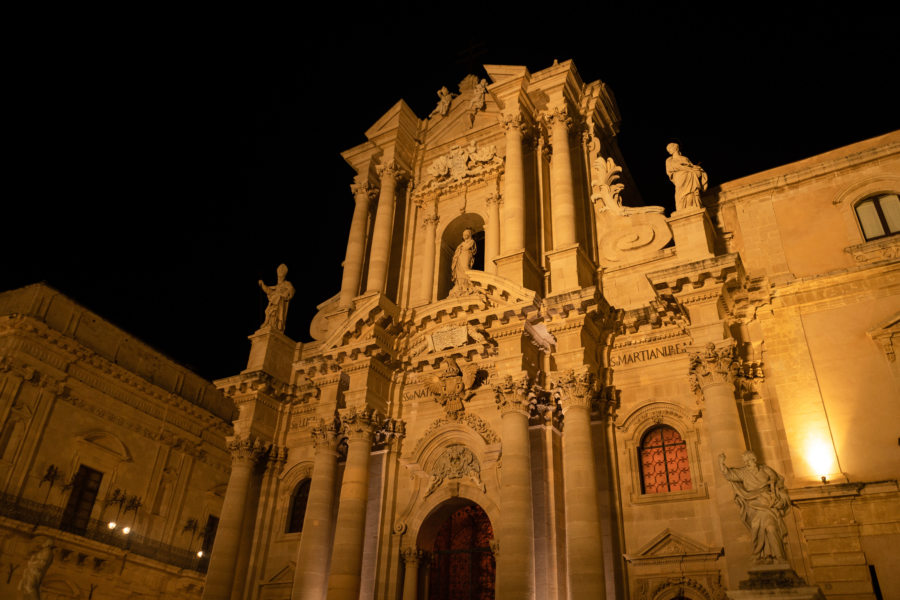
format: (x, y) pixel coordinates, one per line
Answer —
(158, 172)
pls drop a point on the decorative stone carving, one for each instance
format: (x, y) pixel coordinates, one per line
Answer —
(605, 184)
(513, 121)
(513, 395)
(463, 259)
(713, 366)
(391, 169)
(689, 179)
(575, 389)
(557, 116)
(453, 386)
(412, 556)
(361, 422)
(449, 337)
(246, 448)
(279, 295)
(461, 166)
(363, 191)
(476, 423)
(30, 585)
(456, 462)
(444, 100)
(478, 92)
(763, 502)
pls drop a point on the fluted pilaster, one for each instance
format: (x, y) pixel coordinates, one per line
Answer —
(429, 223)
(562, 190)
(363, 194)
(513, 230)
(380, 252)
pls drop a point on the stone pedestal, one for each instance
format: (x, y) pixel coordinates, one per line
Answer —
(273, 352)
(570, 269)
(519, 268)
(694, 234)
(775, 582)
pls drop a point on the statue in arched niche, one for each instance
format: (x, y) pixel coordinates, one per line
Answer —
(463, 259)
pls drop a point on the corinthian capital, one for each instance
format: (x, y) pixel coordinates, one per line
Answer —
(361, 423)
(246, 449)
(513, 121)
(558, 115)
(575, 389)
(713, 366)
(326, 434)
(513, 395)
(391, 169)
(431, 220)
(364, 192)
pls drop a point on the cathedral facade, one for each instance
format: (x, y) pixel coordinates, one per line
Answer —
(531, 387)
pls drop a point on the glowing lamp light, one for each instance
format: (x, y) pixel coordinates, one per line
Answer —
(820, 457)
(126, 530)
(199, 553)
(111, 524)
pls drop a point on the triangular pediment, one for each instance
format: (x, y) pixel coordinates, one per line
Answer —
(461, 120)
(399, 116)
(671, 545)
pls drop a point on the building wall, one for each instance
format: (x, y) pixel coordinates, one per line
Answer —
(76, 391)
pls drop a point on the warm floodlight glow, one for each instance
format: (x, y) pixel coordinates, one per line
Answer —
(820, 457)
(126, 530)
(199, 553)
(111, 524)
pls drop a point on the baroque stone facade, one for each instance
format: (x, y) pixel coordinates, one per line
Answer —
(513, 345)
(113, 463)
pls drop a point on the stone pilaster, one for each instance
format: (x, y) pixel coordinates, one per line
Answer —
(513, 236)
(430, 223)
(712, 374)
(583, 532)
(245, 452)
(515, 567)
(492, 238)
(347, 551)
(562, 189)
(311, 575)
(380, 252)
(363, 194)
(411, 559)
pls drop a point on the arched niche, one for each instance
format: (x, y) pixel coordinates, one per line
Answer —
(450, 239)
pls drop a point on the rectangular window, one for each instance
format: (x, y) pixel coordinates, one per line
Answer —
(78, 510)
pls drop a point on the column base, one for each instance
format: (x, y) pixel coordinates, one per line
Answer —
(521, 269)
(570, 269)
(271, 352)
(694, 234)
(774, 582)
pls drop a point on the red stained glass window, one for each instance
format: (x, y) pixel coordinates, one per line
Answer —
(664, 461)
(462, 566)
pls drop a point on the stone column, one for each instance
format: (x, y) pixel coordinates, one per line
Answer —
(712, 374)
(583, 534)
(513, 230)
(492, 236)
(515, 567)
(562, 190)
(349, 535)
(363, 193)
(311, 574)
(380, 252)
(411, 558)
(245, 452)
(430, 222)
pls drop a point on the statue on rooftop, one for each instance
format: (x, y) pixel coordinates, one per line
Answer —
(689, 179)
(444, 100)
(478, 92)
(279, 295)
(463, 259)
(763, 502)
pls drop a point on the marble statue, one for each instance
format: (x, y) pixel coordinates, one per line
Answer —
(279, 295)
(763, 501)
(689, 179)
(38, 563)
(463, 259)
(443, 105)
(478, 92)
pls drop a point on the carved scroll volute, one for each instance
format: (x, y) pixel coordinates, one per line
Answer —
(513, 395)
(713, 366)
(576, 390)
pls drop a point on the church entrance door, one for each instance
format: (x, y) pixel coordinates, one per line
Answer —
(462, 564)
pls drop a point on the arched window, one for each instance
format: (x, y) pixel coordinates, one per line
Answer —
(298, 507)
(879, 216)
(664, 461)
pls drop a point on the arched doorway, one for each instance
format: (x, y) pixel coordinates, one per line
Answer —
(462, 565)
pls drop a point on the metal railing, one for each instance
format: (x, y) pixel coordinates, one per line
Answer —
(46, 515)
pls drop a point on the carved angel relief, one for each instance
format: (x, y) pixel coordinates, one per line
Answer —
(452, 386)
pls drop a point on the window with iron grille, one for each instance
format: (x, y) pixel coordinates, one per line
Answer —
(664, 461)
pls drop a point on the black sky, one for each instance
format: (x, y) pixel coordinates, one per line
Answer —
(160, 167)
